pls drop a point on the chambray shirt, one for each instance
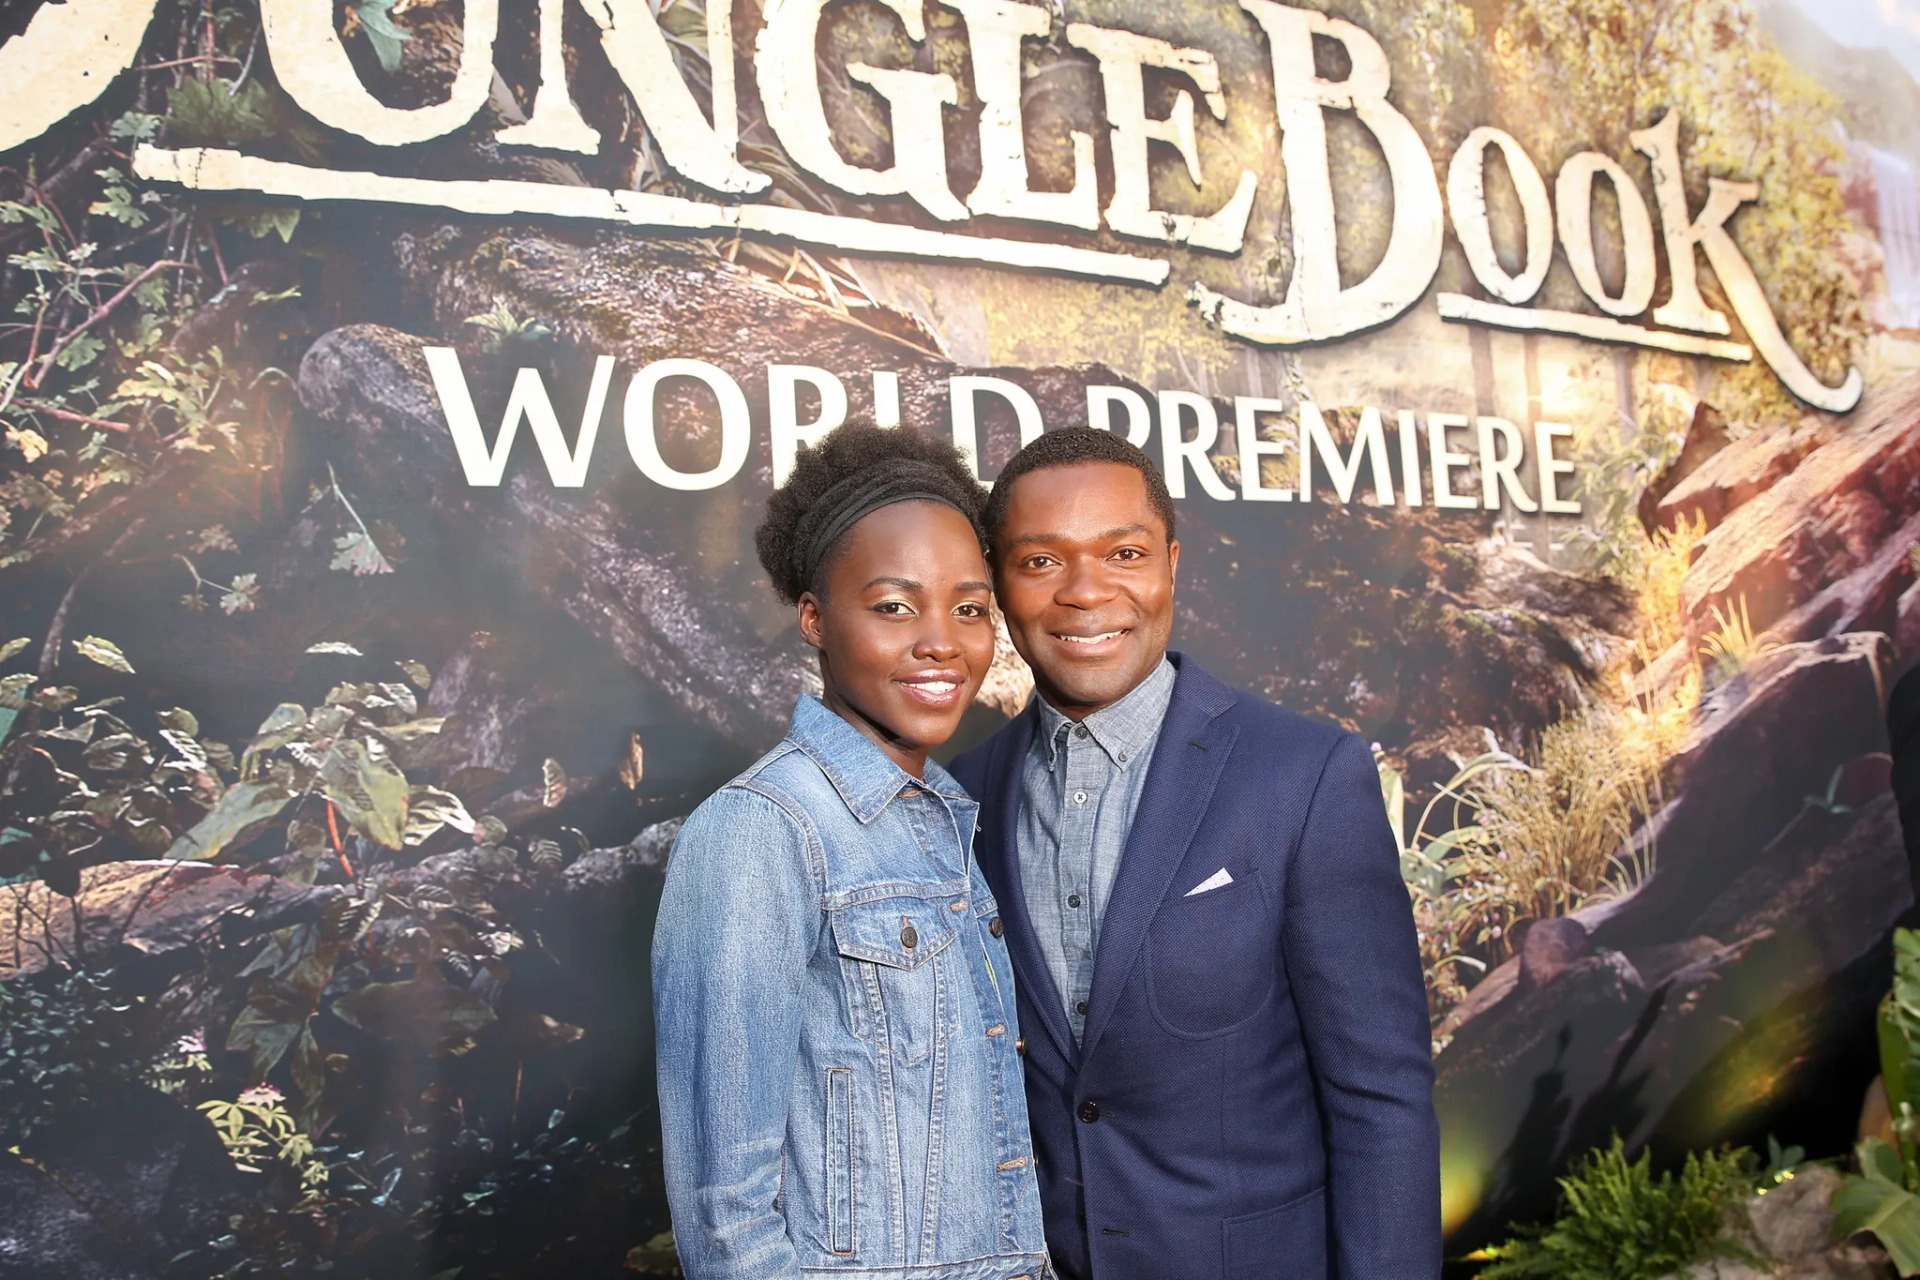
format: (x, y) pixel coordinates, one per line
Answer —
(1079, 790)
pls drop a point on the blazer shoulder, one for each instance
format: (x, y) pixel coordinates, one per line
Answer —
(1269, 726)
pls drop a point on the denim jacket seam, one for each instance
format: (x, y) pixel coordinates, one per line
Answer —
(797, 814)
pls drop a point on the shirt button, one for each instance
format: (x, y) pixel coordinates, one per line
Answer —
(1123, 757)
(1081, 1008)
(1079, 797)
(1089, 1111)
(1080, 731)
(1073, 899)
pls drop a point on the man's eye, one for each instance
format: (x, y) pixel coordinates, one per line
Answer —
(1039, 562)
(1127, 553)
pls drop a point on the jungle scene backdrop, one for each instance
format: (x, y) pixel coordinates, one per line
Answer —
(336, 789)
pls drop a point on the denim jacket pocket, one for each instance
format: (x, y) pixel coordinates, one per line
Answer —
(895, 957)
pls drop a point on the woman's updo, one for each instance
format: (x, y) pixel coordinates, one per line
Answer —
(855, 470)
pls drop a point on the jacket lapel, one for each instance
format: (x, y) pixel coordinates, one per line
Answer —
(1187, 761)
(1001, 864)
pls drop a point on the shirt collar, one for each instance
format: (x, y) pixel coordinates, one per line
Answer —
(865, 776)
(1125, 729)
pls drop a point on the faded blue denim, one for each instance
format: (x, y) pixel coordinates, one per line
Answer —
(840, 1092)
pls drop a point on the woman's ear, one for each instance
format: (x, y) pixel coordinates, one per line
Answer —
(810, 628)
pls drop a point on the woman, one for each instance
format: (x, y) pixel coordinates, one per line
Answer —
(840, 1091)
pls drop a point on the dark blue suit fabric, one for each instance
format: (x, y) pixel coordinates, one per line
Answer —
(1253, 1099)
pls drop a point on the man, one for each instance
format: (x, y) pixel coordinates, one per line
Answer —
(1226, 1037)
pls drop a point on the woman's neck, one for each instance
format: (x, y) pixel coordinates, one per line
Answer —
(911, 758)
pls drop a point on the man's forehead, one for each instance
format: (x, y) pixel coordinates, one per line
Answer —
(1081, 499)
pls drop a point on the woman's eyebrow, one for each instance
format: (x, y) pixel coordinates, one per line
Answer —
(905, 584)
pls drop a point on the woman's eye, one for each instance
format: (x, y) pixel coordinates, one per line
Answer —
(894, 607)
(971, 610)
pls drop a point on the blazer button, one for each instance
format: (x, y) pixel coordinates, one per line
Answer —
(995, 928)
(1089, 1111)
(909, 936)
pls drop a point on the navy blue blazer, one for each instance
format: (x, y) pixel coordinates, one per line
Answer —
(1253, 1097)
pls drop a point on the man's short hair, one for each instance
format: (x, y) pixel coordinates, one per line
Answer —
(1068, 447)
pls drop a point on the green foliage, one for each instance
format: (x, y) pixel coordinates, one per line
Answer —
(1884, 1197)
(376, 20)
(1619, 1221)
(68, 1037)
(1880, 1199)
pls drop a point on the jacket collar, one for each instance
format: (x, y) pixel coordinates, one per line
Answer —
(866, 778)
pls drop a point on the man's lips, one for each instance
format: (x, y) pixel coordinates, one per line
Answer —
(1091, 643)
(934, 688)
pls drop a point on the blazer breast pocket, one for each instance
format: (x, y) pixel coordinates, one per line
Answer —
(1210, 958)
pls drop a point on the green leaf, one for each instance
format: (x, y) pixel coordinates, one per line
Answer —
(239, 813)
(80, 352)
(12, 648)
(369, 789)
(1884, 1208)
(382, 34)
(104, 652)
(423, 1010)
(180, 720)
(356, 553)
(264, 1036)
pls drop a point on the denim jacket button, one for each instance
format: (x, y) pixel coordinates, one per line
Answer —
(995, 928)
(1020, 1045)
(909, 936)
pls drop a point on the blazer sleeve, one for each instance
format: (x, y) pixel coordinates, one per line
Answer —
(1354, 963)
(738, 922)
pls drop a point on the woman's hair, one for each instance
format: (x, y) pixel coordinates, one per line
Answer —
(855, 470)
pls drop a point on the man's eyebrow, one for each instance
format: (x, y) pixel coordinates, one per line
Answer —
(1119, 531)
(973, 586)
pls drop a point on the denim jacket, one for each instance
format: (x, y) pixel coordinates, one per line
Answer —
(840, 1091)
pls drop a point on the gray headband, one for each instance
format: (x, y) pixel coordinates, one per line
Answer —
(852, 500)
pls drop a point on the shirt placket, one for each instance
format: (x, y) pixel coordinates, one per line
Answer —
(1080, 803)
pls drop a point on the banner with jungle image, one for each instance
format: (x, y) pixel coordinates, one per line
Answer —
(391, 387)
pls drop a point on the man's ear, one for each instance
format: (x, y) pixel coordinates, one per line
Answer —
(1173, 560)
(810, 621)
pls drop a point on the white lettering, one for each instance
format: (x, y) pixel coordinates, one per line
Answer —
(785, 430)
(1100, 402)
(961, 390)
(1544, 434)
(1316, 307)
(736, 425)
(783, 59)
(1500, 467)
(1573, 193)
(1444, 461)
(1246, 411)
(995, 29)
(311, 65)
(1178, 454)
(1467, 198)
(1122, 57)
(484, 467)
(1369, 439)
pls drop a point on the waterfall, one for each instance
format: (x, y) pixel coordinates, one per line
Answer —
(1897, 198)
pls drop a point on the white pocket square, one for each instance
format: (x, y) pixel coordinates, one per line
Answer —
(1218, 880)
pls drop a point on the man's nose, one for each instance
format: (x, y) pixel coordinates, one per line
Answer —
(1085, 585)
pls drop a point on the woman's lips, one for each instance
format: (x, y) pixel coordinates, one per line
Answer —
(934, 688)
